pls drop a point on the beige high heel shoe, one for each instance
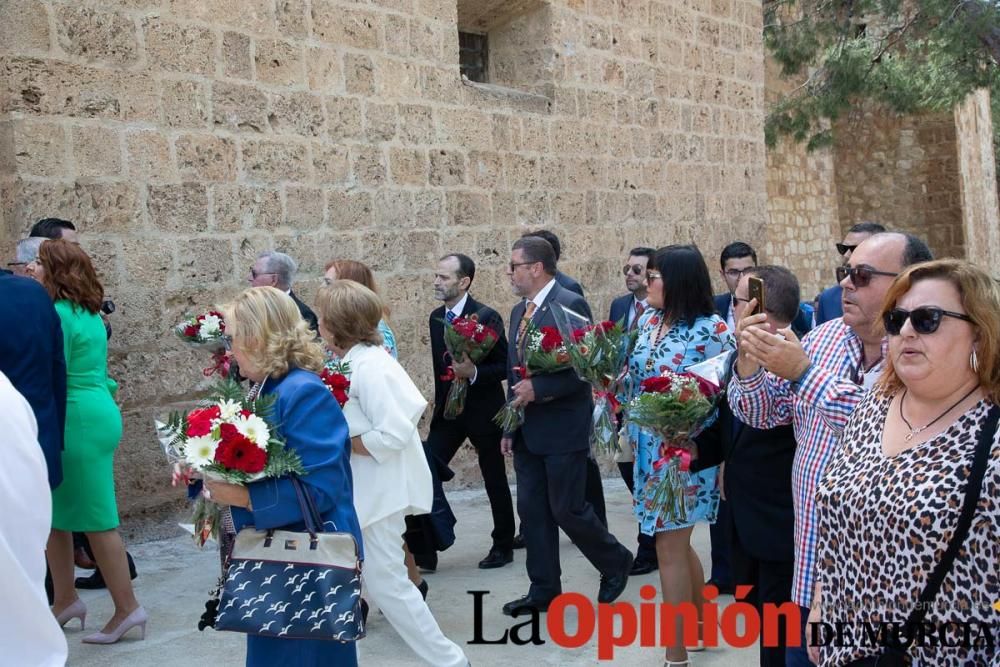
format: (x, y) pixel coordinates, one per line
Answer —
(75, 610)
(137, 618)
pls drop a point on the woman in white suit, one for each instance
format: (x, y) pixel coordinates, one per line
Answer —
(391, 476)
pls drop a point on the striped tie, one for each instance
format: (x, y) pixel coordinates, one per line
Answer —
(529, 310)
(450, 316)
(639, 310)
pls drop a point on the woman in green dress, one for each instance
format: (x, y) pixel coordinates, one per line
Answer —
(85, 501)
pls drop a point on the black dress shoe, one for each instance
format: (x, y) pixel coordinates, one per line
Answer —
(496, 558)
(614, 585)
(96, 580)
(525, 605)
(423, 588)
(518, 542)
(724, 589)
(643, 566)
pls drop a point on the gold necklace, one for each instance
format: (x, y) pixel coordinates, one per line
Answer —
(653, 342)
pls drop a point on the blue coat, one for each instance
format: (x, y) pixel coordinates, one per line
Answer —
(31, 356)
(620, 307)
(829, 306)
(312, 424)
(568, 283)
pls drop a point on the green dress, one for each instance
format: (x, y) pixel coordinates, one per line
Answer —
(85, 501)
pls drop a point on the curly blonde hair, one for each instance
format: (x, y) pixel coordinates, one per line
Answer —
(270, 329)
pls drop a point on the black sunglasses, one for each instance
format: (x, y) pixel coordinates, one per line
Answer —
(925, 320)
(860, 275)
(843, 249)
(637, 269)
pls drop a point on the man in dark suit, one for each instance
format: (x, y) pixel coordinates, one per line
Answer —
(551, 447)
(561, 278)
(627, 309)
(276, 269)
(452, 280)
(756, 478)
(828, 305)
(31, 356)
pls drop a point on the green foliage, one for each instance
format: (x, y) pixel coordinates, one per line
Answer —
(907, 57)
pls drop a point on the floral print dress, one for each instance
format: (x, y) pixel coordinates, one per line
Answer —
(683, 345)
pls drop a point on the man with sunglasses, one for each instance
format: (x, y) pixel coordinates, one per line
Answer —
(816, 384)
(828, 301)
(276, 269)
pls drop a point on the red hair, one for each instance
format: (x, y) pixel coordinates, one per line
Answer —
(70, 275)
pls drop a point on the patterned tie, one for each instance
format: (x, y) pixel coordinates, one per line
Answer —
(529, 310)
(639, 310)
(450, 316)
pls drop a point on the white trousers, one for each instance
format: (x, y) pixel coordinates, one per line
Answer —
(389, 587)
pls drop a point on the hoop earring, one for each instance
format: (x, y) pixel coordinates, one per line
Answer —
(974, 361)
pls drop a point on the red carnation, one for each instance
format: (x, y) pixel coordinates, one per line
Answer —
(606, 326)
(337, 383)
(191, 330)
(480, 336)
(578, 334)
(551, 339)
(227, 431)
(200, 421)
(656, 385)
(240, 453)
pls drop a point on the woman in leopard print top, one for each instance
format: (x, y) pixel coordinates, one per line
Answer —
(890, 499)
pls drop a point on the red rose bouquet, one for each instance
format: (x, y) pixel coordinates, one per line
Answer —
(599, 354)
(544, 352)
(205, 331)
(675, 407)
(465, 338)
(336, 376)
(229, 438)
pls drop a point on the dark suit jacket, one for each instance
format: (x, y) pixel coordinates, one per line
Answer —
(31, 356)
(486, 395)
(558, 420)
(758, 482)
(307, 314)
(829, 307)
(620, 307)
(568, 283)
(722, 303)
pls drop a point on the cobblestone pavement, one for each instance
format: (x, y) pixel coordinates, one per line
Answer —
(174, 578)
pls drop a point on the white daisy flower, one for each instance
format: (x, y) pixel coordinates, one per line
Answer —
(254, 428)
(210, 326)
(229, 410)
(199, 451)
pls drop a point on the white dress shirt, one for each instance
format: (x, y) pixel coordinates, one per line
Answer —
(383, 408)
(29, 633)
(457, 309)
(539, 299)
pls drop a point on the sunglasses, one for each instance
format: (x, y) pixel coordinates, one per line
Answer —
(636, 269)
(925, 320)
(254, 274)
(653, 275)
(860, 275)
(844, 249)
(514, 265)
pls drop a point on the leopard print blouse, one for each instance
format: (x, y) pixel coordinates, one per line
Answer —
(885, 522)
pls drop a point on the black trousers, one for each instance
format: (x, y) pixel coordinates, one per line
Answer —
(722, 571)
(594, 492)
(551, 494)
(771, 581)
(444, 439)
(647, 543)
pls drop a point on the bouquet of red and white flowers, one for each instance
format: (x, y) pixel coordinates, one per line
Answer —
(598, 353)
(206, 331)
(228, 438)
(675, 407)
(544, 352)
(336, 376)
(465, 338)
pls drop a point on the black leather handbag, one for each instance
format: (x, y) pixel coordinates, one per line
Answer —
(897, 656)
(294, 585)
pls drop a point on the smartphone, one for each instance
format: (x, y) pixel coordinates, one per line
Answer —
(755, 286)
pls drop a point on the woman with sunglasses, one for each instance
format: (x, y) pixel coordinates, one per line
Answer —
(680, 328)
(890, 500)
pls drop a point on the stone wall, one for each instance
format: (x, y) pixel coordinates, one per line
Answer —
(183, 135)
(977, 167)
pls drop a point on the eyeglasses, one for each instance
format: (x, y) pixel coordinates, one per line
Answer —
(925, 320)
(738, 273)
(653, 275)
(860, 275)
(17, 263)
(514, 265)
(843, 249)
(255, 275)
(636, 269)
(227, 342)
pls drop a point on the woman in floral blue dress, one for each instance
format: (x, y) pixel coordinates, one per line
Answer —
(679, 329)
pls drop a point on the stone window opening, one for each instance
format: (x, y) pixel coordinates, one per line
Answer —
(473, 56)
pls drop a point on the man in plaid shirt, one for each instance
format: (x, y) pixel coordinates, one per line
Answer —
(816, 384)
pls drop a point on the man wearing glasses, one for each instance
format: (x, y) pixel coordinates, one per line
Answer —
(735, 262)
(628, 308)
(828, 301)
(816, 384)
(276, 269)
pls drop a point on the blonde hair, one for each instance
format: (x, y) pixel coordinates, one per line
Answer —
(350, 312)
(980, 296)
(271, 330)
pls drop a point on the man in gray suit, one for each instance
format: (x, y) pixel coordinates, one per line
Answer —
(551, 448)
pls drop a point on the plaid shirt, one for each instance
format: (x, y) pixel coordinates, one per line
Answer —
(818, 407)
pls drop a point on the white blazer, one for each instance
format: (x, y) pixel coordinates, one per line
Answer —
(383, 407)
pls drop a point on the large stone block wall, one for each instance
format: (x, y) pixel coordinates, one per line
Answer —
(183, 135)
